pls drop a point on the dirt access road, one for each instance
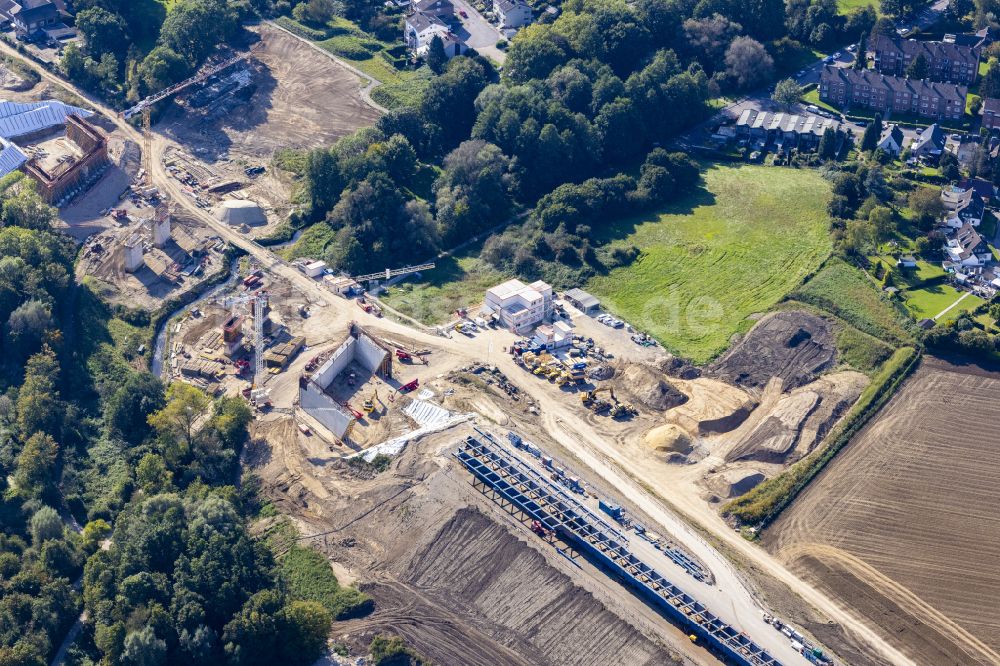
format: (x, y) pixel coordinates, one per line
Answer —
(735, 600)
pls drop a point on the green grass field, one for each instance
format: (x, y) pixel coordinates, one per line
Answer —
(457, 282)
(928, 302)
(846, 6)
(843, 290)
(733, 248)
(309, 578)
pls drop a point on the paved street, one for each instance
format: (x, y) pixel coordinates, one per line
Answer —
(477, 32)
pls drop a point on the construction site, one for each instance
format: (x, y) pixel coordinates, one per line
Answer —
(149, 255)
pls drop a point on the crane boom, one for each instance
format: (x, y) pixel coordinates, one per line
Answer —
(177, 87)
(391, 273)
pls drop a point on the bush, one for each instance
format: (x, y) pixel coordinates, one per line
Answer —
(310, 578)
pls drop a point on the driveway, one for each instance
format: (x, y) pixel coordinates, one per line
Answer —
(477, 33)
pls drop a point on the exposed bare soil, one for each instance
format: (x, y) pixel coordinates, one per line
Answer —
(795, 346)
(458, 578)
(902, 526)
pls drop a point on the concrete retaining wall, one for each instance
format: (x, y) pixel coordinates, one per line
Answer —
(334, 365)
(325, 409)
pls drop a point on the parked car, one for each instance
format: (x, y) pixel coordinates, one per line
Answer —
(463, 13)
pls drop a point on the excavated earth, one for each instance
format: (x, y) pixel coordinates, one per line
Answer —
(450, 572)
(793, 345)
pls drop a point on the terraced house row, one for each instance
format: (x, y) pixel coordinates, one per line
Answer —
(946, 61)
(846, 88)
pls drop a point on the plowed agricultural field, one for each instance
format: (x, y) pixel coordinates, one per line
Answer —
(904, 525)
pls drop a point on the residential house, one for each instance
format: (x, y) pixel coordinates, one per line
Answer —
(929, 144)
(991, 113)
(946, 61)
(512, 13)
(891, 140)
(441, 9)
(979, 39)
(967, 248)
(419, 29)
(962, 207)
(518, 306)
(784, 130)
(984, 189)
(846, 87)
(30, 16)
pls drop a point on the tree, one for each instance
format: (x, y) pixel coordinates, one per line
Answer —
(94, 532)
(143, 648)
(308, 625)
(748, 63)
(473, 191)
(995, 312)
(882, 223)
(989, 86)
(176, 421)
(127, 411)
(537, 51)
(152, 474)
(859, 237)
(926, 204)
(923, 246)
(194, 27)
(861, 57)
(828, 144)
(45, 525)
(38, 406)
(27, 327)
(787, 92)
(869, 140)
(26, 209)
(708, 38)
(948, 164)
(103, 31)
(919, 69)
(437, 59)
(160, 69)
(34, 475)
(450, 101)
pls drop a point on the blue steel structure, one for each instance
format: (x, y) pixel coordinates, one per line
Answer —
(517, 485)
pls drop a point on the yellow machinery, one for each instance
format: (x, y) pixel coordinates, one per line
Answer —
(369, 404)
(590, 399)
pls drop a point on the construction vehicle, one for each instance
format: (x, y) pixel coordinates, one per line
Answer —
(410, 386)
(589, 398)
(404, 355)
(623, 410)
(369, 404)
(357, 415)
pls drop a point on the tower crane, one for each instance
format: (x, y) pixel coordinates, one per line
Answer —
(145, 106)
(257, 302)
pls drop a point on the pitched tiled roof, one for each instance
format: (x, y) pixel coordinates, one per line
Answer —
(854, 77)
(930, 50)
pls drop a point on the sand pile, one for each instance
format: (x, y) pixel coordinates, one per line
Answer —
(668, 438)
(648, 387)
(237, 212)
(736, 482)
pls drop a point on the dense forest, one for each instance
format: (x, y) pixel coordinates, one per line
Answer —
(169, 570)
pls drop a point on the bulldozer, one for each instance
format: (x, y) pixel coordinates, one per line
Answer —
(623, 410)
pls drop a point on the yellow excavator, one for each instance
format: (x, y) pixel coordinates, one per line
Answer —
(369, 404)
(590, 399)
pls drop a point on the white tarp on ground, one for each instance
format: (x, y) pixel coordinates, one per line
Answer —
(17, 119)
(393, 446)
(426, 413)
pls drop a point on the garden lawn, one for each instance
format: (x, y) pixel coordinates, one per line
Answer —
(735, 247)
(846, 6)
(456, 282)
(929, 302)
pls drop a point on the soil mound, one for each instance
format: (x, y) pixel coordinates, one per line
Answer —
(647, 387)
(794, 345)
(736, 482)
(668, 438)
